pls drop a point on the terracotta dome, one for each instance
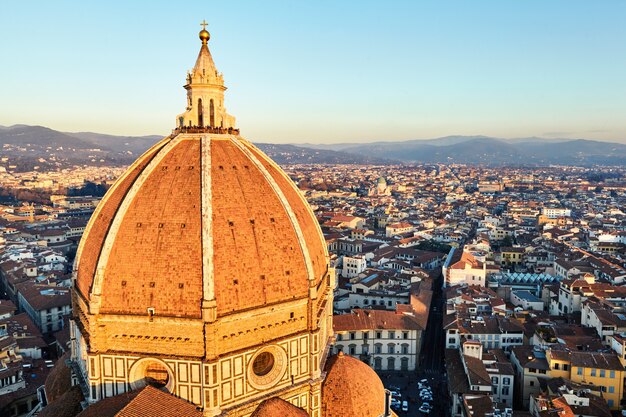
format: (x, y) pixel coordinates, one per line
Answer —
(351, 389)
(199, 213)
(277, 407)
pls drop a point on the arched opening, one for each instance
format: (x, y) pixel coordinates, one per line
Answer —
(200, 114)
(391, 364)
(378, 364)
(404, 364)
(212, 113)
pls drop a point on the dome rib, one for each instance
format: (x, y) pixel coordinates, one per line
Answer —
(286, 206)
(257, 258)
(115, 227)
(306, 218)
(98, 227)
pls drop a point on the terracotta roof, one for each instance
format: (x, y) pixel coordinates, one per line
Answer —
(351, 389)
(277, 407)
(374, 319)
(109, 407)
(67, 405)
(151, 402)
(260, 251)
(59, 381)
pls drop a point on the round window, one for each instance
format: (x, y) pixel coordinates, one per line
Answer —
(267, 367)
(263, 364)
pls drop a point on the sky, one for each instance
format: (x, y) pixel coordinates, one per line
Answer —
(322, 71)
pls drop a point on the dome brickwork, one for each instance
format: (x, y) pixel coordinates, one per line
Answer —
(145, 247)
(351, 389)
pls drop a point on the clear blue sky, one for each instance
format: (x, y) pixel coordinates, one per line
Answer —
(322, 71)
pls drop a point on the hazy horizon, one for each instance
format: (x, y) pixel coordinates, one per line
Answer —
(324, 72)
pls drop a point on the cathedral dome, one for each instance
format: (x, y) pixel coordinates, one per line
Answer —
(198, 214)
(351, 389)
(277, 407)
(203, 272)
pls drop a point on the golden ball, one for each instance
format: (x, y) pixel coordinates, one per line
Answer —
(204, 35)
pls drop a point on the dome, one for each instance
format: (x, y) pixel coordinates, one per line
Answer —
(351, 389)
(277, 407)
(199, 214)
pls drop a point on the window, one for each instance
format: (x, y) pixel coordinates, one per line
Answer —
(505, 390)
(593, 371)
(602, 373)
(339, 337)
(405, 335)
(391, 348)
(610, 403)
(611, 389)
(565, 367)
(378, 348)
(532, 383)
(352, 350)
(405, 349)
(352, 335)
(366, 335)
(494, 380)
(392, 335)
(451, 340)
(580, 370)
(379, 335)
(542, 371)
(556, 366)
(506, 381)
(612, 374)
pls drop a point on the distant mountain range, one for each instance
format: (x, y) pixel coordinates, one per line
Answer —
(36, 146)
(27, 147)
(491, 151)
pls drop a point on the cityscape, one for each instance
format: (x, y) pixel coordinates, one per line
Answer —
(204, 273)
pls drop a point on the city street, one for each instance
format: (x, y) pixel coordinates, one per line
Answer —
(431, 365)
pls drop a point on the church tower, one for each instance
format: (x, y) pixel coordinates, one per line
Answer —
(203, 272)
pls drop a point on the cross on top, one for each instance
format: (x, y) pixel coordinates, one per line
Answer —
(203, 24)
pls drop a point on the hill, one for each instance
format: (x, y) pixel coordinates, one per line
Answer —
(38, 147)
(27, 147)
(492, 151)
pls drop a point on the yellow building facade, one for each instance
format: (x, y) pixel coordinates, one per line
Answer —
(593, 368)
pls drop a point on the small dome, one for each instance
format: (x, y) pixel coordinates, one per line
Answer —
(351, 389)
(277, 407)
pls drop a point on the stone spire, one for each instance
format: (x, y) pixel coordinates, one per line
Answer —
(205, 92)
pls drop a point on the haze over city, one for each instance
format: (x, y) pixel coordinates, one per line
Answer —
(324, 72)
